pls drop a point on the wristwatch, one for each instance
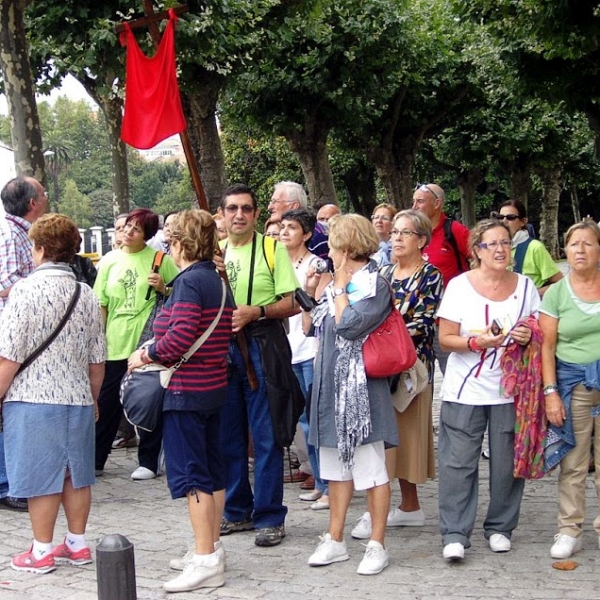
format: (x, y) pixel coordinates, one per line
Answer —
(263, 313)
(338, 291)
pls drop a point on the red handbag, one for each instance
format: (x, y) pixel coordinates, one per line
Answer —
(389, 349)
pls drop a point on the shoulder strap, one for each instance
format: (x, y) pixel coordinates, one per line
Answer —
(269, 244)
(520, 252)
(196, 345)
(53, 335)
(449, 235)
(156, 263)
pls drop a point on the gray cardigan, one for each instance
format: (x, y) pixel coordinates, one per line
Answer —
(357, 320)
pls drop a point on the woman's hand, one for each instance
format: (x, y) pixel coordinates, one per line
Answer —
(487, 339)
(342, 275)
(521, 335)
(156, 281)
(555, 409)
(135, 361)
(312, 280)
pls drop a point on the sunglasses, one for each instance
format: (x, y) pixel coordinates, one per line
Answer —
(425, 187)
(232, 209)
(497, 215)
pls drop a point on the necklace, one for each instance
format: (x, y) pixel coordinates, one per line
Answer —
(299, 261)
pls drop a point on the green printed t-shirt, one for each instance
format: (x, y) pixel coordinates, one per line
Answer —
(578, 323)
(267, 287)
(538, 264)
(121, 287)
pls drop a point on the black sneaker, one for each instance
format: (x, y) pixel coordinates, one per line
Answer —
(18, 504)
(270, 536)
(228, 527)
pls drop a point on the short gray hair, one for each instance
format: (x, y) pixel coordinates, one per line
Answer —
(420, 221)
(294, 192)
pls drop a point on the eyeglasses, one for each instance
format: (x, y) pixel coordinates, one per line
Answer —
(496, 215)
(280, 201)
(380, 218)
(493, 246)
(425, 187)
(232, 209)
(403, 233)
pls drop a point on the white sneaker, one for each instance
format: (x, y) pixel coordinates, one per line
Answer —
(198, 573)
(375, 560)
(565, 545)
(454, 551)
(141, 474)
(362, 531)
(499, 543)
(328, 551)
(399, 518)
(178, 564)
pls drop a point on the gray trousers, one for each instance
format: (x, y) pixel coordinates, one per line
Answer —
(441, 355)
(459, 447)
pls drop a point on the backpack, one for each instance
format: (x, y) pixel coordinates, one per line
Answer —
(268, 247)
(449, 235)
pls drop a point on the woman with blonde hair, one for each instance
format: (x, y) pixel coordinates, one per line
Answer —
(570, 322)
(478, 314)
(50, 407)
(196, 394)
(351, 418)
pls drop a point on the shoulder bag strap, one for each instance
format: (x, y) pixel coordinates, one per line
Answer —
(196, 345)
(53, 335)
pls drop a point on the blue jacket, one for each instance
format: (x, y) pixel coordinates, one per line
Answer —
(561, 440)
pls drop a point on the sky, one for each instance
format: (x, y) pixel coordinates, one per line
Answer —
(70, 87)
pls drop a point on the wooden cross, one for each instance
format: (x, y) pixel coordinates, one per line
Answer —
(151, 20)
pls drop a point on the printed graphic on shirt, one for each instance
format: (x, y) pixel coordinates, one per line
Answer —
(129, 283)
(233, 268)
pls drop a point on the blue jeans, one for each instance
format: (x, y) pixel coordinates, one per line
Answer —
(3, 476)
(304, 372)
(250, 409)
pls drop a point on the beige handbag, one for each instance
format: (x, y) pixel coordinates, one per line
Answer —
(411, 383)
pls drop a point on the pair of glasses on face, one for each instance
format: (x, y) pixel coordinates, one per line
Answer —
(403, 233)
(424, 187)
(496, 215)
(380, 218)
(493, 246)
(232, 209)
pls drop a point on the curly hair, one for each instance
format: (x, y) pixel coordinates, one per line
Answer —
(354, 234)
(57, 235)
(196, 232)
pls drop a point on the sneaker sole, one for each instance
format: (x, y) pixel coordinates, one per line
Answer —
(407, 524)
(268, 543)
(36, 570)
(341, 558)
(237, 529)
(361, 536)
(215, 581)
(73, 562)
(563, 557)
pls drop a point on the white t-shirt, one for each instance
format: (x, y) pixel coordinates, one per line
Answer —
(468, 378)
(303, 348)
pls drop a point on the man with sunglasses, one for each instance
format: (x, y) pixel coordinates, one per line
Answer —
(530, 257)
(448, 249)
(263, 281)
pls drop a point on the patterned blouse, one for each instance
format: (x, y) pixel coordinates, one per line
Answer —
(417, 298)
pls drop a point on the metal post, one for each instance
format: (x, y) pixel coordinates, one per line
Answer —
(115, 569)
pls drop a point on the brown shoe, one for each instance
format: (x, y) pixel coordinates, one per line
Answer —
(295, 477)
(308, 484)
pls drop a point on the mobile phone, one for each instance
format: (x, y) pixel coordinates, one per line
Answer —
(496, 327)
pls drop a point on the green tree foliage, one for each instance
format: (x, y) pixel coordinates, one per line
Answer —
(76, 205)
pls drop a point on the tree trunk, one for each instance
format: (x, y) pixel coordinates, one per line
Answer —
(549, 218)
(467, 185)
(200, 110)
(310, 145)
(360, 188)
(20, 96)
(389, 175)
(575, 204)
(112, 109)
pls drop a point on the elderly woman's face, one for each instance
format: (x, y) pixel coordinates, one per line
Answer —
(494, 249)
(133, 236)
(583, 250)
(406, 243)
(382, 221)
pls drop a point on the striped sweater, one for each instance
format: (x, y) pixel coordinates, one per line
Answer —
(200, 384)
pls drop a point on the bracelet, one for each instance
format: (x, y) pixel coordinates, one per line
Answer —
(549, 389)
(472, 344)
(263, 313)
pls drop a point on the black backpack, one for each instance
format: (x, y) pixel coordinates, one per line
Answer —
(452, 241)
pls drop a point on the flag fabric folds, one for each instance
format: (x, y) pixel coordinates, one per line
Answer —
(153, 109)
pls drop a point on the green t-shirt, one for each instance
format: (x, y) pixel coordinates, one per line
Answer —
(121, 287)
(578, 323)
(538, 264)
(267, 287)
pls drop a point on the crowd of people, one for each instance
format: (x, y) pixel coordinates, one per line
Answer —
(292, 309)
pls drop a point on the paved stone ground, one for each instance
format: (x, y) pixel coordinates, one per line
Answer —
(159, 529)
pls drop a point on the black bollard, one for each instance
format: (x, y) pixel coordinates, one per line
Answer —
(115, 568)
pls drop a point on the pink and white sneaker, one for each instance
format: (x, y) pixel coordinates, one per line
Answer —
(63, 554)
(26, 562)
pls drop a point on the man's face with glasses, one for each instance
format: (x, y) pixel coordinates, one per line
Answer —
(240, 215)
